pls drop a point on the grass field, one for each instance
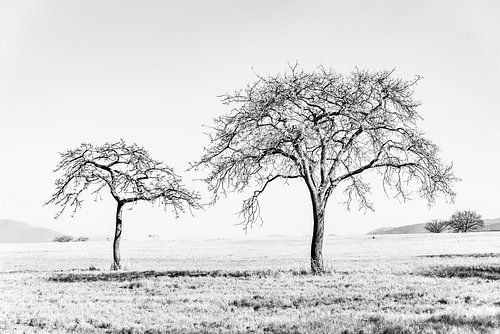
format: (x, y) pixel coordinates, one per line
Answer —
(448, 283)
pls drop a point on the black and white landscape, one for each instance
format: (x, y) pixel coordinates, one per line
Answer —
(258, 166)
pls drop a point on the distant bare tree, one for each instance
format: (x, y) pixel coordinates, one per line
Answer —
(465, 221)
(436, 226)
(327, 130)
(127, 172)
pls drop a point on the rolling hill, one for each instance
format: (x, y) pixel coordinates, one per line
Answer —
(12, 231)
(490, 225)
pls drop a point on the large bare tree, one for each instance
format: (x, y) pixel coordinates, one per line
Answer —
(465, 221)
(127, 172)
(328, 130)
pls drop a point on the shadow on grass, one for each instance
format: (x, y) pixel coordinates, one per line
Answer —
(258, 302)
(477, 322)
(479, 271)
(475, 255)
(120, 276)
(443, 323)
(446, 323)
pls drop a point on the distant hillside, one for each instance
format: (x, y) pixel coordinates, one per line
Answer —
(14, 231)
(405, 229)
(381, 230)
(490, 225)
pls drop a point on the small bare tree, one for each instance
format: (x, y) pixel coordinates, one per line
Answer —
(127, 172)
(328, 130)
(465, 221)
(436, 226)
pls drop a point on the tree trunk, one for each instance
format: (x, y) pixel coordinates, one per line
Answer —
(317, 266)
(116, 242)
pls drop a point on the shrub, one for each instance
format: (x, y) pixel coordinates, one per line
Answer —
(436, 226)
(63, 238)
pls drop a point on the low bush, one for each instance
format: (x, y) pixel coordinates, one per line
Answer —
(63, 238)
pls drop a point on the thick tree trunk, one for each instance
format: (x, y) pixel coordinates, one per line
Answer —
(317, 238)
(116, 242)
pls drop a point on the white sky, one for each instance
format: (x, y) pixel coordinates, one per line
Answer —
(150, 72)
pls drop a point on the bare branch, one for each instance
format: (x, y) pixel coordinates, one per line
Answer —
(327, 129)
(127, 171)
(250, 211)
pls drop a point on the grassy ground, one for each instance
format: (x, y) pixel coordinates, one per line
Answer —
(446, 283)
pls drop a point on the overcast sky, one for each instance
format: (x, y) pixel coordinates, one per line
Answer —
(150, 72)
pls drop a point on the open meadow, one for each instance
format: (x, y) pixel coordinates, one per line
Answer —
(427, 283)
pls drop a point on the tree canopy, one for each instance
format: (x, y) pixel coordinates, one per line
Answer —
(327, 129)
(127, 171)
(465, 221)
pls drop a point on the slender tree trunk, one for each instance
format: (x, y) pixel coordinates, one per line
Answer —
(317, 238)
(118, 234)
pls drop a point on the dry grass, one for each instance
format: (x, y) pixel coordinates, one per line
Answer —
(408, 284)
